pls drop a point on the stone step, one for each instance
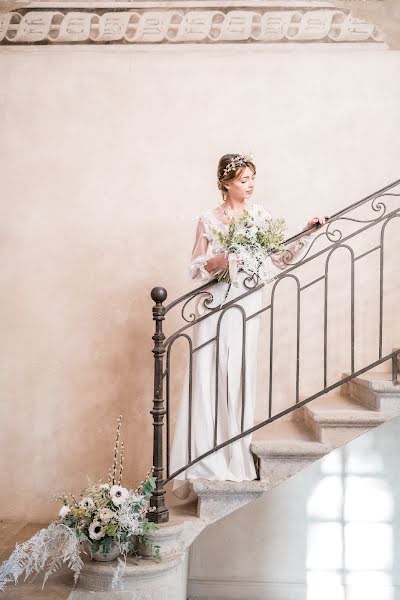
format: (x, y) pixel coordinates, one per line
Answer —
(179, 532)
(337, 418)
(377, 391)
(281, 449)
(284, 448)
(216, 499)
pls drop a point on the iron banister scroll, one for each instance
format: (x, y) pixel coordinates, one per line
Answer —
(202, 288)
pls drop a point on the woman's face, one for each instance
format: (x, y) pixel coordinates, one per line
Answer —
(242, 187)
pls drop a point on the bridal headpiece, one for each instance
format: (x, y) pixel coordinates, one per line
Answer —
(240, 160)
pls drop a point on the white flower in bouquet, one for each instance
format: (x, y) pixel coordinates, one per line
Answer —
(118, 494)
(128, 518)
(105, 515)
(96, 530)
(248, 242)
(253, 231)
(64, 510)
(87, 503)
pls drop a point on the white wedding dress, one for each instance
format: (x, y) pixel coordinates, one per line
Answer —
(234, 462)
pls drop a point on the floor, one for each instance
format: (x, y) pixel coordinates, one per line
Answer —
(58, 587)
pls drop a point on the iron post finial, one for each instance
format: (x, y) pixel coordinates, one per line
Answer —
(159, 294)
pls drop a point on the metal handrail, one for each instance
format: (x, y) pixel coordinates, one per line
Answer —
(336, 239)
(288, 241)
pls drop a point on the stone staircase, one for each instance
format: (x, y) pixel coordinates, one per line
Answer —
(281, 450)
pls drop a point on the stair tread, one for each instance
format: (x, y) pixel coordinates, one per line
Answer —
(183, 512)
(342, 409)
(283, 430)
(373, 376)
(331, 402)
(288, 438)
(178, 517)
(379, 382)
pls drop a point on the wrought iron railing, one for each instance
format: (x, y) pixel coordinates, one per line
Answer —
(340, 231)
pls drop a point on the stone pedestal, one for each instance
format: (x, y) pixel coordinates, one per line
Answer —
(142, 580)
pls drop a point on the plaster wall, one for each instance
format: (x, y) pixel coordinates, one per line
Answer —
(107, 155)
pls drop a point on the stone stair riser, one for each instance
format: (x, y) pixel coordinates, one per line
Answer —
(339, 435)
(278, 469)
(214, 507)
(388, 403)
(310, 423)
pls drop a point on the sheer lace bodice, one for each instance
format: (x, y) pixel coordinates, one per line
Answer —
(216, 219)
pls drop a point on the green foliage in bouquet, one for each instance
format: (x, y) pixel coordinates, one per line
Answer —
(246, 231)
(272, 237)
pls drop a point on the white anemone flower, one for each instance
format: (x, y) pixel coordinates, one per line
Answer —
(96, 530)
(118, 495)
(64, 510)
(259, 219)
(87, 503)
(105, 515)
(253, 231)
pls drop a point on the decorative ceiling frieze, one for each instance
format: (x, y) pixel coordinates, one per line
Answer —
(182, 21)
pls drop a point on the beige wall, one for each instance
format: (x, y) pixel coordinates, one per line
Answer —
(107, 154)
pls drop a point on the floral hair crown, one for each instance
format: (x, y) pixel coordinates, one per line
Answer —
(240, 160)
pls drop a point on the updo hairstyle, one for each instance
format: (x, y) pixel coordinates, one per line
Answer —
(238, 164)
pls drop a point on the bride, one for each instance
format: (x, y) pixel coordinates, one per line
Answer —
(223, 384)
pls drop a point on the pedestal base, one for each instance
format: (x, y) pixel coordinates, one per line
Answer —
(147, 580)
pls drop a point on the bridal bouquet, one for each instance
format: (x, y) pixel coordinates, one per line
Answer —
(248, 242)
(107, 520)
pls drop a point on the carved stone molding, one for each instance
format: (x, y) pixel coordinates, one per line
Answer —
(6, 5)
(384, 13)
(185, 24)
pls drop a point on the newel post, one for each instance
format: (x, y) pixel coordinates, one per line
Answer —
(160, 514)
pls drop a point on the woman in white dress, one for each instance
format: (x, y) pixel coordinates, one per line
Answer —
(223, 395)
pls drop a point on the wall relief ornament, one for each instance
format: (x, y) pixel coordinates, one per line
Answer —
(182, 21)
(7, 5)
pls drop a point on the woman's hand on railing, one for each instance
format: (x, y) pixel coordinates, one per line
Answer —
(217, 263)
(316, 221)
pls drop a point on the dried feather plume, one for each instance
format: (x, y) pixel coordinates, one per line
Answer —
(45, 551)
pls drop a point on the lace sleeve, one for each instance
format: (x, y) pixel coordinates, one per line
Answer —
(282, 258)
(199, 259)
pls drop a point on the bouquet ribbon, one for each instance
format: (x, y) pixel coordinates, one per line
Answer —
(233, 268)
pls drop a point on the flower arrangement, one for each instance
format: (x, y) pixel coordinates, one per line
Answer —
(108, 520)
(248, 242)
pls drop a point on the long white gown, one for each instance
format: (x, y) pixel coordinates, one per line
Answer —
(234, 462)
